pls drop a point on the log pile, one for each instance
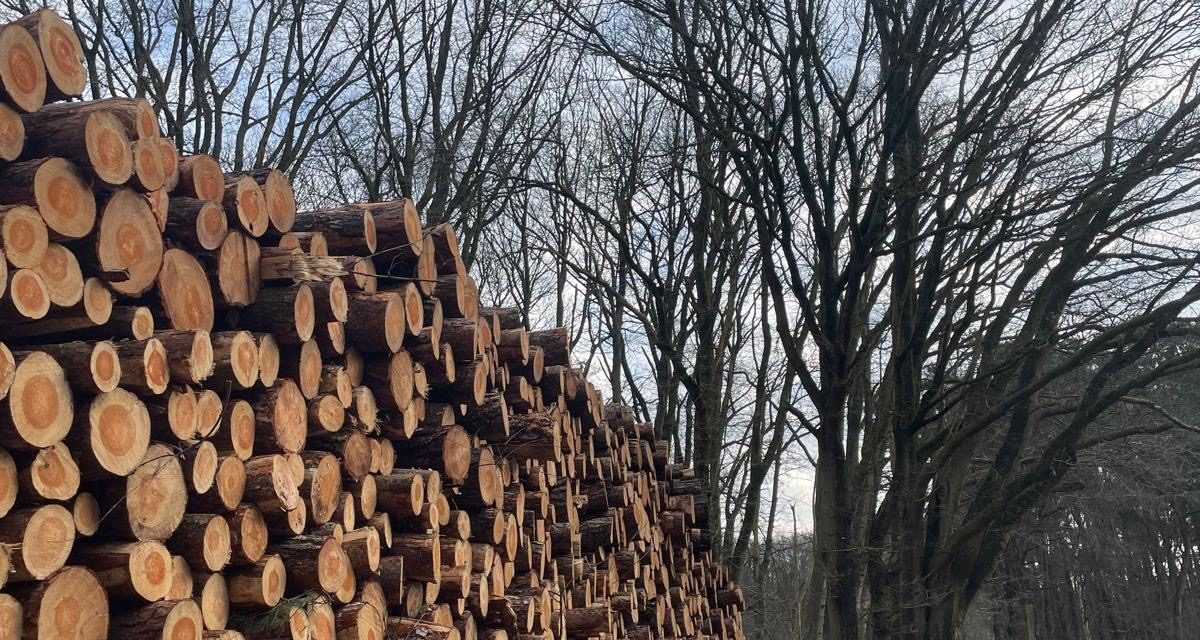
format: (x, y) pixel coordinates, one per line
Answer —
(222, 418)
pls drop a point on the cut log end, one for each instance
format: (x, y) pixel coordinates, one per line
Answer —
(86, 512)
(40, 403)
(22, 72)
(28, 295)
(186, 296)
(109, 150)
(70, 604)
(64, 198)
(98, 302)
(246, 200)
(24, 236)
(60, 271)
(149, 174)
(62, 54)
(47, 542)
(238, 270)
(130, 242)
(156, 495)
(200, 177)
(12, 134)
(119, 431)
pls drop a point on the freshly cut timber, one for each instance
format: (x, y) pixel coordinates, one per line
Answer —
(348, 231)
(129, 571)
(197, 224)
(71, 603)
(42, 538)
(63, 278)
(23, 236)
(186, 297)
(279, 196)
(200, 177)
(129, 243)
(236, 270)
(90, 138)
(244, 202)
(12, 134)
(61, 52)
(118, 432)
(155, 496)
(22, 72)
(61, 193)
(270, 421)
(28, 296)
(39, 407)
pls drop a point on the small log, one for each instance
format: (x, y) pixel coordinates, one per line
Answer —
(259, 585)
(199, 225)
(165, 619)
(69, 604)
(186, 296)
(204, 540)
(245, 205)
(200, 177)
(40, 407)
(129, 571)
(23, 236)
(59, 190)
(64, 281)
(41, 539)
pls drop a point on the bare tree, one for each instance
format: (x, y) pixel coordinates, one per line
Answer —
(943, 195)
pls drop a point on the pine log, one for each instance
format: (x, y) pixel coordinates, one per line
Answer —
(59, 190)
(129, 571)
(23, 236)
(200, 177)
(69, 604)
(186, 296)
(199, 225)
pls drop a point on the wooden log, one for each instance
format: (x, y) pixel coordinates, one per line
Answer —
(23, 236)
(40, 408)
(85, 510)
(69, 604)
(60, 51)
(128, 246)
(149, 173)
(257, 586)
(554, 343)
(144, 365)
(113, 436)
(22, 72)
(288, 313)
(179, 619)
(234, 271)
(314, 562)
(279, 196)
(200, 177)
(91, 138)
(199, 225)
(268, 359)
(41, 539)
(322, 485)
(154, 497)
(189, 354)
(418, 629)
(377, 322)
(64, 280)
(363, 548)
(325, 415)
(9, 486)
(12, 134)
(90, 367)
(28, 297)
(446, 448)
(185, 293)
(169, 157)
(235, 360)
(280, 418)
(129, 571)
(204, 540)
(58, 189)
(200, 462)
(245, 205)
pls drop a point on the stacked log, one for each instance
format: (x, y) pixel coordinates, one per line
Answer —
(223, 418)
